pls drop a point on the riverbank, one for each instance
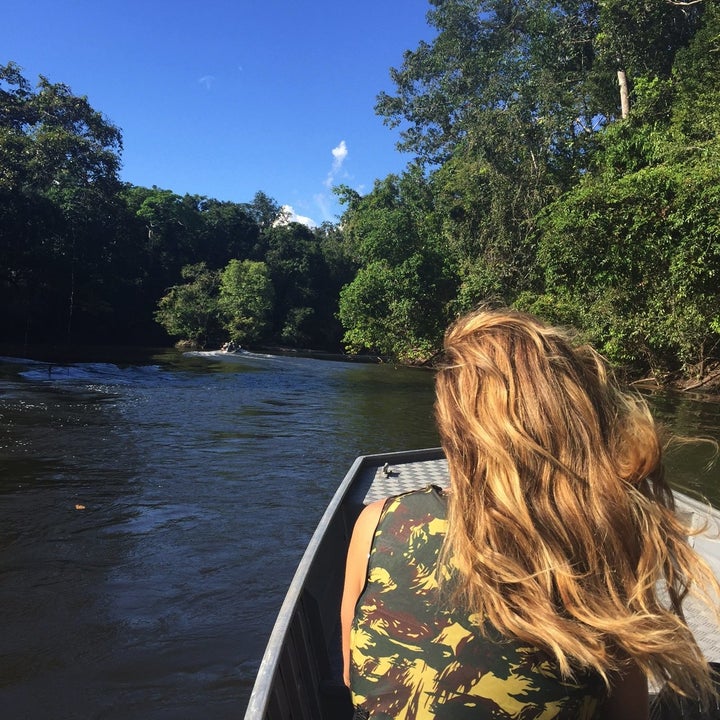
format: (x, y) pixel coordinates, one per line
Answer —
(703, 380)
(322, 354)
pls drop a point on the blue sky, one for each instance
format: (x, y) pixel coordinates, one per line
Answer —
(225, 98)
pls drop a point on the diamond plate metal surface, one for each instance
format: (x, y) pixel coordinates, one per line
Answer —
(405, 477)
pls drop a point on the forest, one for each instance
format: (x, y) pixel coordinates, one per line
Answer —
(566, 162)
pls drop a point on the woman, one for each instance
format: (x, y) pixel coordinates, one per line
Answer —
(530, 589)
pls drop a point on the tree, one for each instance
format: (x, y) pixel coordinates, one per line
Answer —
(640, 40)
(529, 61)
(246, 300)
(394, 311)
(398, 303)
(487, 213)
(265, 211)
(59, 155)
(634, 263)
(228, 231)
(695, 76)
(551, 66)
(172, 224)
(339, 269)
(190, 311)
(17, 116)
(298, 272)
(632, 254)
(503, 107)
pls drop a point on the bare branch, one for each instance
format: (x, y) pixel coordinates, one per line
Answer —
(704, 381)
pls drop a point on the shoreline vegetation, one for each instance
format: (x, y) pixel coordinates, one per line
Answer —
(708, 385)
(565, 162)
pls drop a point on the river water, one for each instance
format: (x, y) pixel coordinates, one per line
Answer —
(152, 514)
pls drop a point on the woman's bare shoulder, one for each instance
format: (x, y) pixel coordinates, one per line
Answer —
(370, 515)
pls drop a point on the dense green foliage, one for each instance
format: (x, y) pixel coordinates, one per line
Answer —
(86, 258)
(536, 193)
(567, 161)
(191, 310)
(632, 253)
(396, 305)
(246, 300)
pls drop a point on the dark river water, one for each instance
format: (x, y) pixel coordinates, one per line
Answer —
(152, 515)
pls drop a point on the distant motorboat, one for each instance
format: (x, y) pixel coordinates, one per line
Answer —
(231, 347)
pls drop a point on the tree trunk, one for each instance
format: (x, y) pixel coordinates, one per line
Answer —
(624, 95)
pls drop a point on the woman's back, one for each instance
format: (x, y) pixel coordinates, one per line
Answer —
(413, 656)
(562, 537)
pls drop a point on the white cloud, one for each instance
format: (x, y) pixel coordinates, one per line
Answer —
(289, 215)
(339, 153)
(326, 206)
(207, 81)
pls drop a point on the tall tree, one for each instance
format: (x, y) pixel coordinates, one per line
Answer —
(527, 60)
(503, 105)
(246, 300)
(265, 211)
(632, 254)
(398, 302)
(57, 152)
(550, 66)
(640, 40)
(189, 311)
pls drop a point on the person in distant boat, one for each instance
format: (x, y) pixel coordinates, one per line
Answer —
(547, 581)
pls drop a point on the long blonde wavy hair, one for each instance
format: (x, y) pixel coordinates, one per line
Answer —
(561, 525)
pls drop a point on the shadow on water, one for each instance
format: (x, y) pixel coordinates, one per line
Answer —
(153, 513)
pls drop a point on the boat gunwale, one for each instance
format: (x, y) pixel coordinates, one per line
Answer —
(260, 696)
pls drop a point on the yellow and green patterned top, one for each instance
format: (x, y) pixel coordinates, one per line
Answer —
(412, 658)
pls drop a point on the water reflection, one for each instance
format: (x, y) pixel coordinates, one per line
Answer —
(692, 467)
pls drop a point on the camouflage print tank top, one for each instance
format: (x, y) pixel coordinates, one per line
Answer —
(412, 659)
